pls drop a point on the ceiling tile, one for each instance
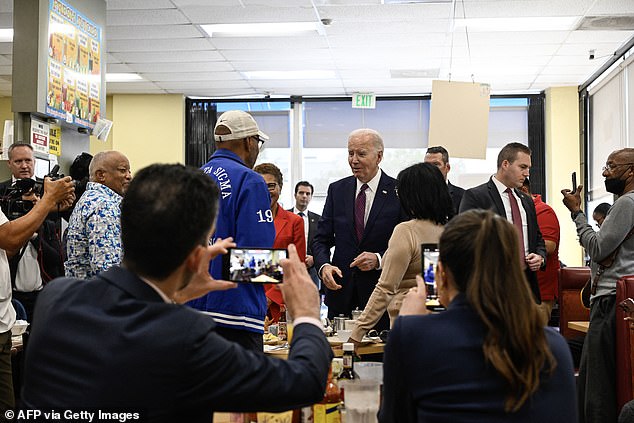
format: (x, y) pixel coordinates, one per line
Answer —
(233, 14)
(6, 6)
(179, 44)
(156, 32)
(365, 39)
(146, 17)
(367, 14)
(269, 43)
(612, 7)
(199, 76)
(168, 56)
(119, 68)
(174, 85)
(139, 4)
(181, 67)
(281, 55)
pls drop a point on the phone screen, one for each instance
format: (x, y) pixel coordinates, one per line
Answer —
(429, 254)
(574, 181)
(253, 265)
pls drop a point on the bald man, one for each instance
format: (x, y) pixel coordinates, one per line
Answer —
(94, 230)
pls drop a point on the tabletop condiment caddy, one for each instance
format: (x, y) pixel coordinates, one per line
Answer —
(331, 408)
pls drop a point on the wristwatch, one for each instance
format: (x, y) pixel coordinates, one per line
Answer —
(576, 213)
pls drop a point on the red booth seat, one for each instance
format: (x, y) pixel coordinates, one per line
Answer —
(571, 281)
(624, 344)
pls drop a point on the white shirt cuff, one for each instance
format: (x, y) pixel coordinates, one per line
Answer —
(309, 320)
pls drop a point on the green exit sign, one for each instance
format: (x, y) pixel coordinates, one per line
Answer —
(364, 101)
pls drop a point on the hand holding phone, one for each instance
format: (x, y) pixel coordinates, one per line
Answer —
(253, 265)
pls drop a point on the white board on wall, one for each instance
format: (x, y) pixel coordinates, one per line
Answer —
(459, 118)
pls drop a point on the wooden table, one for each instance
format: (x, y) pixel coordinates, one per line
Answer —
(337, 348)
(580, 326)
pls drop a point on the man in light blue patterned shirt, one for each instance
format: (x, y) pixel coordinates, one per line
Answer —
(94, 230)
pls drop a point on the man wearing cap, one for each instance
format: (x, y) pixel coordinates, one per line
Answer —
(244, 214)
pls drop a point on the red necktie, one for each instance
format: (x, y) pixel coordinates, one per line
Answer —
(359, 212)
(517, 221)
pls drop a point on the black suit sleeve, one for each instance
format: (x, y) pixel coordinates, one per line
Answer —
(252, 381)
(469, 201)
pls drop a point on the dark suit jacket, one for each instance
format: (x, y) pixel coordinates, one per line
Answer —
(313, 219)
(487, 196)
(336, 228)
(112, 342)
(434, 371)
(456, 194)
(4, 185)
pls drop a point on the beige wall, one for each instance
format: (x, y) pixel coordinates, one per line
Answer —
(563, 156)
(147, 129)
(5, 114)
(97, 145)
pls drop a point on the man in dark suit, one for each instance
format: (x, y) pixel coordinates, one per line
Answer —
(123, 341)
(359, 216)
(502, 195)
(439, 157)
(303, 194)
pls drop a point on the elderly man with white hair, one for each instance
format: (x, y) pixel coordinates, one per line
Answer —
(94, 230)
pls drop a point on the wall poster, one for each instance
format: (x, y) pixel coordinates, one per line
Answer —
(74, 66)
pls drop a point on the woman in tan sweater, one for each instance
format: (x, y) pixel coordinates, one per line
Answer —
(423, 194)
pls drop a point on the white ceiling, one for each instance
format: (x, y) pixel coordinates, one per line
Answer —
(364, 44)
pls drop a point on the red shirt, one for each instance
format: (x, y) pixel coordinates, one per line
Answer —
(549, 227)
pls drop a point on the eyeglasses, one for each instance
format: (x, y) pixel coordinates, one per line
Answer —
(612, 166)
(382, 335)
(271, 185)
(260, 141)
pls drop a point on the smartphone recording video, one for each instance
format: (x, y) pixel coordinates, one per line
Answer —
(253, 265)
(430, 260)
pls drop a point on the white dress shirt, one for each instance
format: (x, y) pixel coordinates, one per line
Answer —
(306, 222)
(507, 209)
(370, 193)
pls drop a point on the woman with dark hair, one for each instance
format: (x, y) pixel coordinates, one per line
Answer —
(488, 357)
(424, 196)
(289, 229)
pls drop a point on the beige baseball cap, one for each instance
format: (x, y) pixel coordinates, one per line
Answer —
(240, 125)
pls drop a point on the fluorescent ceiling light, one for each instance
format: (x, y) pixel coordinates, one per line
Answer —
(6, 35)
(560, 23)
(123, 77)
(307, 74)
(414, 1)
(262, 29)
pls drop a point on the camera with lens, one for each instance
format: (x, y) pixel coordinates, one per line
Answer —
(11, 201)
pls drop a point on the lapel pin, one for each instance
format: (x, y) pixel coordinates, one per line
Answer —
(384, 192)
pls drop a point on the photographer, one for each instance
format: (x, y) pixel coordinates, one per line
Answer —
(41, 259)
(13, 235)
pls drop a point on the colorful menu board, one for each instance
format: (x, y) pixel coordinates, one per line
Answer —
(74, 66)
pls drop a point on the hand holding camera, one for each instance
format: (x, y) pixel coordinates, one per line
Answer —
(58, 192)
